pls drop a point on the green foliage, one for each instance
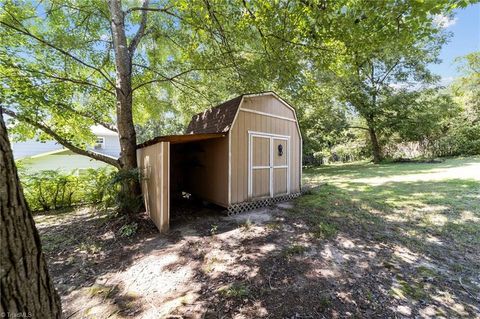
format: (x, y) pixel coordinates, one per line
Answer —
(236, 290)
(324, 230)
(128, 230)
(461, 139)
(293, 250)
(344, 64)
(118, 187)
(213, 229)
(46, 190)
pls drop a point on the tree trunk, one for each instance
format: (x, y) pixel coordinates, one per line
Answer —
(26, 287)
(123, 91)
(376, 149)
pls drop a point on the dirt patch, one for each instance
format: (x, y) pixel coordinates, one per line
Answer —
(385, 241)
(267, 263)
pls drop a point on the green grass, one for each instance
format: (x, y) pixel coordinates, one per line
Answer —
(431, 208)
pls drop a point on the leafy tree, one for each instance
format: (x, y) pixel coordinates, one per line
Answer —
(67, 65)
(466, 89)
(463, 134)
(374, 48)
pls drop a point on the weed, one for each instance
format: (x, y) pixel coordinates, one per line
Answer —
(404, 289)
(458, 268)
(90, 248)
(426, 272)
(128, 230)
(324, 230)
(325, 301)
(100, 291)
(213, 229)
(210, 264)
(294, 250)
(246, 225)
(274, 226)
(236, 290)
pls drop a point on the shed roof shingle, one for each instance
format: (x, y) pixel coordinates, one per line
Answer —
(218, 119)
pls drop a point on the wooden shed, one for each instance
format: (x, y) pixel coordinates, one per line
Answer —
(241, 154)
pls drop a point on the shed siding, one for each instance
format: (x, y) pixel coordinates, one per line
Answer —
(247, 121)
(209, 179)
(154, 163)
(267, 104)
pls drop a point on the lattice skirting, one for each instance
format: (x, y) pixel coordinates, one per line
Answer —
(247, 206)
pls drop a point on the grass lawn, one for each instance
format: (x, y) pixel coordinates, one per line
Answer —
(366, 241)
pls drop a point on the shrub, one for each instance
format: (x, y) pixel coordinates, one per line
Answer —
(119, 195)
(49, 189)
(128, 230)
(461, 139)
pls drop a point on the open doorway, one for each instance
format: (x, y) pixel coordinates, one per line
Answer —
(191, 171)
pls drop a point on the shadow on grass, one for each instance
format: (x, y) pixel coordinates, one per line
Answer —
(368, 170)
(399, 249)
(337, 255)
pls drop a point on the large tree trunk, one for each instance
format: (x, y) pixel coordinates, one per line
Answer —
(376, 149)
(123, 90)
(26, 287)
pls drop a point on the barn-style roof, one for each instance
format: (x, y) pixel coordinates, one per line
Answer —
(212, 123)
(218, 119)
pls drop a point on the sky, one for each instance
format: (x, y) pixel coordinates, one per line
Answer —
(466, 39)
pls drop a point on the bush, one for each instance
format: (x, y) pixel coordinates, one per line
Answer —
(119, 195)
(462, 139)
(46, 190)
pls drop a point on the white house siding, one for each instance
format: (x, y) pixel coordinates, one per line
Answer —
(112, 146)
(32, 147)
(63, 162)
(32, 153)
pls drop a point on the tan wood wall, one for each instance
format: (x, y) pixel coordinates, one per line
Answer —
(248, 121)
(267, 104)
(209, 180)
(153, 162)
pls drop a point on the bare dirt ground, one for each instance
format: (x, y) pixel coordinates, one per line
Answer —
(330, 254)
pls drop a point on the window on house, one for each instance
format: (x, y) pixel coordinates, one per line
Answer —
(99, 143)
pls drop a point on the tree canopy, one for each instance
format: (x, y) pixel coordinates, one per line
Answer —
(347, 65)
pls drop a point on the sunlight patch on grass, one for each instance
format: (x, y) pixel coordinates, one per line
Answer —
(405, 254)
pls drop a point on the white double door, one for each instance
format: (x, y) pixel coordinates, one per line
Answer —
(269, 165)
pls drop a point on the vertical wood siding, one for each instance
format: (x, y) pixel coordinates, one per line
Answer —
(154, 163)
(209, 178)
(267, 104)
(246, 121)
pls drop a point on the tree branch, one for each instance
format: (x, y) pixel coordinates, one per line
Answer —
(164, 78)
(62, 141)
(141, 30)
(88, 115)
(145, 7)
(61, 78)
(359, 127)
(389, 71)
(24, 31)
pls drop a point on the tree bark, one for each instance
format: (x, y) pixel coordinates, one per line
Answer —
(123, 93)
(376, 149)
(26, 287)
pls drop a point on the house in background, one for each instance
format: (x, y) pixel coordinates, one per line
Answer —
(49, 155)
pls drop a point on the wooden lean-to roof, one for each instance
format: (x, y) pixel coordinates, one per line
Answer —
(178, 139)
